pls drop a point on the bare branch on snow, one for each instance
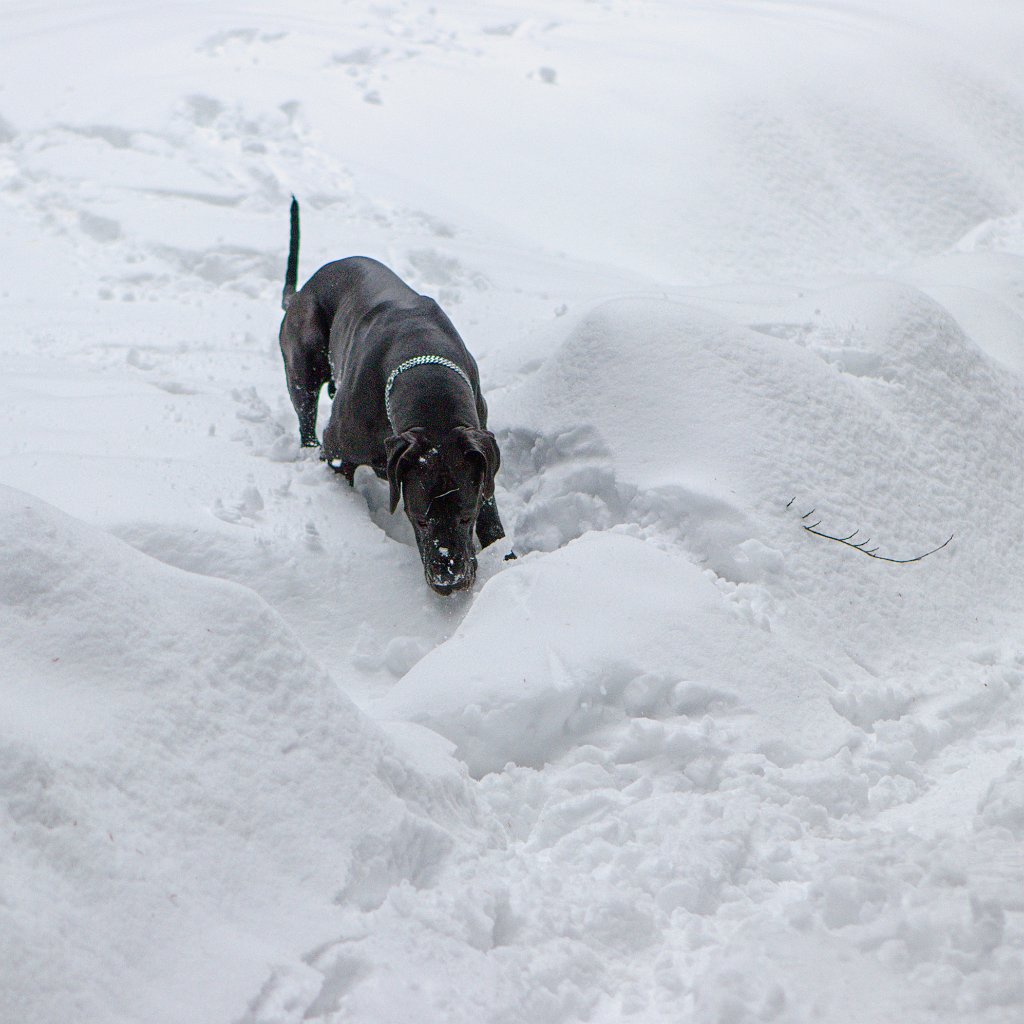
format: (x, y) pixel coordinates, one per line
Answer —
(862, 545)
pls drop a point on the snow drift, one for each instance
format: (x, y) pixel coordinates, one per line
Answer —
(182, 783)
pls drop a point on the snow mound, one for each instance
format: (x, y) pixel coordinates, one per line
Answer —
(607, 632)
(715, 432)
(185, 795)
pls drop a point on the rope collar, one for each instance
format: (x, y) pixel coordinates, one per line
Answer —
(419, 361)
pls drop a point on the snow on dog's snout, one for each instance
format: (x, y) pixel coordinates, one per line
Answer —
(449, 564)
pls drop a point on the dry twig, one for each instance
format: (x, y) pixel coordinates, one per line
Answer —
(861, 545)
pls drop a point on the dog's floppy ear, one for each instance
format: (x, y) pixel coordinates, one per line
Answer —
(480, 444)
(400, 449)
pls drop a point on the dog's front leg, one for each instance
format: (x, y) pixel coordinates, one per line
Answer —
(333, 450)
(488, 523)
(346, 469)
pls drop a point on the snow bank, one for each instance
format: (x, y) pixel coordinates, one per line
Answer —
(717, 427)
(186, 797)
(558, 649)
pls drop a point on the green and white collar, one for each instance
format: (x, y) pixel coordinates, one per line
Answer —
(419, 361)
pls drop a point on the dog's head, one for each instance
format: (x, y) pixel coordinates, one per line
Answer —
(442, 482)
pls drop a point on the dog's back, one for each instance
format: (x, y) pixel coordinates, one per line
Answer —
(323, 318)
(354, 285)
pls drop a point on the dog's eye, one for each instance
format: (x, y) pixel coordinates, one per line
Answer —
(465, 519)
(422, 522)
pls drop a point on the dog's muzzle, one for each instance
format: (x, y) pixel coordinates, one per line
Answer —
(447, 574)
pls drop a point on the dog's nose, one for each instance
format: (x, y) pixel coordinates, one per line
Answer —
(451, 580)
(445, 588)
(448, 576)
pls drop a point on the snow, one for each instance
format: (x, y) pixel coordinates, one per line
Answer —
(178, 767)
(729, 270)
(653, 657)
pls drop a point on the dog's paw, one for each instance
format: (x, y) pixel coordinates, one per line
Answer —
(346, 469)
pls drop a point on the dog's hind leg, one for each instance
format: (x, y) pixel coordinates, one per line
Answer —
(305, 401)
(307, 368)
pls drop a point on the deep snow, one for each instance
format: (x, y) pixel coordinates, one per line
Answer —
(722, 265)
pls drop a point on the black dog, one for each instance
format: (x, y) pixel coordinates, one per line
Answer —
(407, 403)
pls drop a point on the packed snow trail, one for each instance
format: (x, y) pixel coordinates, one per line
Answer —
(721, 265)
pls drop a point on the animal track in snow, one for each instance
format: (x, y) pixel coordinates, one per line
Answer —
(245, 510)
(237, 40)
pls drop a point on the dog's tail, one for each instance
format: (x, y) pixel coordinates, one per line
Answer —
(291, 274)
